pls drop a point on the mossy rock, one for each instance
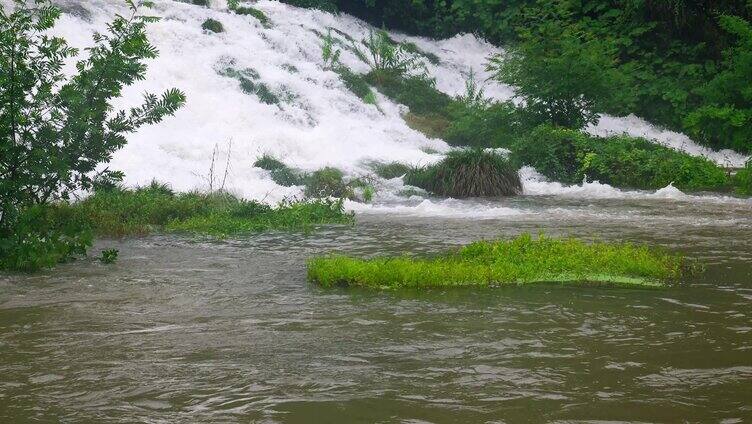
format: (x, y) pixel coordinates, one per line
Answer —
(213, 26)
(468, 173)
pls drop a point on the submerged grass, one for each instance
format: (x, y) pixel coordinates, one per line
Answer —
(120, 212)
(523, 260)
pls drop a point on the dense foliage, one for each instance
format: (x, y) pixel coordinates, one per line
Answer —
(522, 260)
(570, 156)
(55, 131)
(683, 64)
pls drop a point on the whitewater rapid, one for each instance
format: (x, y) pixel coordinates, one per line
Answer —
(319, 123)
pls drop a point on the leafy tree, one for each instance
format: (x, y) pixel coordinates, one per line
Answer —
(565, 77)
(55, 131)
(725, 120)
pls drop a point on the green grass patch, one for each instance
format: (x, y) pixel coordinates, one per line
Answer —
(357, 84)
(468, 173)
(625, 162)
(119, 212)
(250, 83)
(259, 15)
(416, 92)
(520, 261)
(281, 173)
(328, 182)
(432, 125)
(389, 170)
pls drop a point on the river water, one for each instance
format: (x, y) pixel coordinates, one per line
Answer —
(197, 330)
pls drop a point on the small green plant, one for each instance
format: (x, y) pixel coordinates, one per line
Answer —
(468, 173)
(519, 261)
(109, 256)
(213, 25)
(385, 57)
(329, 54)
(250, 83)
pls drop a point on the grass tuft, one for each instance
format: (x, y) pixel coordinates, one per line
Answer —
(390, 170)
(213, 26)
(523, 260)
(119, 212)
(468, 173)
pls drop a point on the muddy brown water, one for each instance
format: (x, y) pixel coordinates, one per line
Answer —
(196, 330)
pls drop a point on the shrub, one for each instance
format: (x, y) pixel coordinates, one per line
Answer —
(523, 260)
(468, 173)
(43, 236)
(327, 182)
(622, 161)
(495, 125)
(213, 25)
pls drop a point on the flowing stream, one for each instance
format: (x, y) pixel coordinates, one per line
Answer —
(190, 330)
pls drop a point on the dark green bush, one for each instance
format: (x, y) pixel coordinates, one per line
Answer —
(213, 25)
(496, 125)
(622, 161)
(468, 173)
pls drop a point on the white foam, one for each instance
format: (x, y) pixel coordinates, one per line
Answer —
(323, 125)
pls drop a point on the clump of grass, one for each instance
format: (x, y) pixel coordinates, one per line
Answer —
(327, 182)
(121, 212)
(390, 170)
(468, 173)
(213, 25)
(251, 11)
(280, 173)
(743, 179)
(411, 47)
(416, 92)
(523, 260)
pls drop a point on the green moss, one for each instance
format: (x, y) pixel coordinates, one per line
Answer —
(622, 161)
(116, 213)
(431, 125)
(523, 260)
(468, 173)
(281, 173)
(259, 15)
(213, 26)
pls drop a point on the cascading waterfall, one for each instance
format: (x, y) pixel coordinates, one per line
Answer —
(317, 121)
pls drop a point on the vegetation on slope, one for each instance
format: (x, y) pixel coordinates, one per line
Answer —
(523, 260)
